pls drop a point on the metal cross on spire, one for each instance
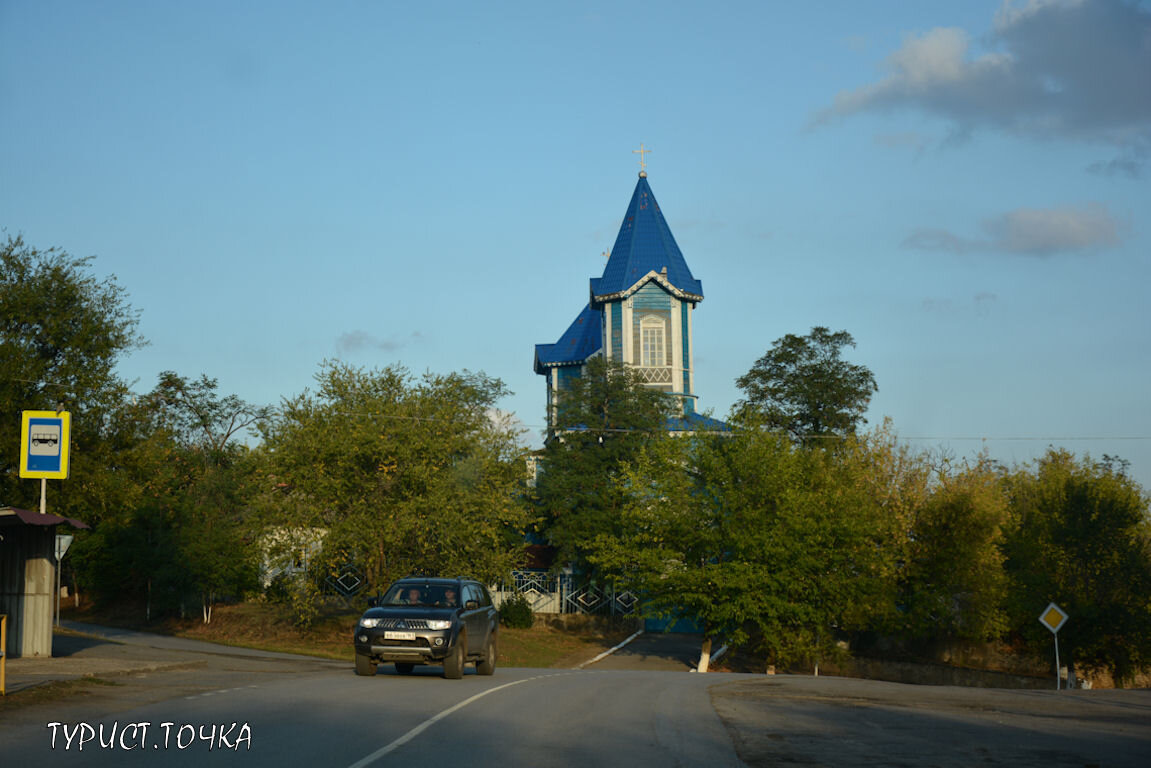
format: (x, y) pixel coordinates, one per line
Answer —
(642, 165)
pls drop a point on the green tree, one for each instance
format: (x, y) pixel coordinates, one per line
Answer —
(672, 541)
(755, 537)
(401, 475)
(198, 417)
(603, 418)
(62, 331)
(1080, 537)
(218, 550)
(954, 584)
(804, 387)
(180, 538)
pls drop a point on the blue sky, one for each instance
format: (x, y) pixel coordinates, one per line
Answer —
(963, 187)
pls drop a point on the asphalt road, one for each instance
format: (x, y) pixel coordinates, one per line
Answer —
(290, 710)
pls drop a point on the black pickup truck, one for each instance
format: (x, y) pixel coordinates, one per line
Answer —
(422, 620)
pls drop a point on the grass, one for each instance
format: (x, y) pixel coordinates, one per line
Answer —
(268, 626)
(51, 692)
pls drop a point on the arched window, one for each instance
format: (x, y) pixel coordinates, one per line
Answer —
(652, 345)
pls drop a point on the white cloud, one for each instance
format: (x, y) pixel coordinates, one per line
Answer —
(362, 341)
(1128, 163)
(928, 239)
(1031, 232)
(1069, 69)
(1042, 232)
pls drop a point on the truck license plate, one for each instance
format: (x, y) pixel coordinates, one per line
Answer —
(399, 635)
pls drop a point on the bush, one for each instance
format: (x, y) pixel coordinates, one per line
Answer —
(516, 612)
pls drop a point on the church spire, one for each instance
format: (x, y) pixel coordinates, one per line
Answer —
(645, 249)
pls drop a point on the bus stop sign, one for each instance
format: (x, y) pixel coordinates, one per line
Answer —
(44, 439)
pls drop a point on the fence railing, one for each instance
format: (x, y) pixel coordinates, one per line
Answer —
(548, 592)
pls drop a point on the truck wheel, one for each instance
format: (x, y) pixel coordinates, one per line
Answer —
(487, 665)
(365, 665)
(454, 662)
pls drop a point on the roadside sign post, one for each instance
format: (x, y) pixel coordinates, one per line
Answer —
(45, 437)
(63, 541)
(44, 440)
(1054, 617)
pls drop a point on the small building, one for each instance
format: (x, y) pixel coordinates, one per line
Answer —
(28, 578)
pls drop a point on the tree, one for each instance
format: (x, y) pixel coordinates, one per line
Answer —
(62, 331)
(403, 475)
(603, 419)
(802, 386)
(180, 537)
(216, 549)
(954, 584)
(1080, 536)
(753, 536)
(198, 417)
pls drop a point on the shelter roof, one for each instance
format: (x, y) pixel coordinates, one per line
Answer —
(10, 516)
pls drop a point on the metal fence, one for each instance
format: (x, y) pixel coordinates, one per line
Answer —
(563, 593)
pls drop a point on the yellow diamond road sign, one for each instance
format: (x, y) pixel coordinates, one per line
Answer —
(1053, 617)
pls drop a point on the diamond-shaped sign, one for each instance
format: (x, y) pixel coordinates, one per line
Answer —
(1053, 617)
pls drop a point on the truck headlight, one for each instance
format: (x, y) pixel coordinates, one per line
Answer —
(369, 623)
(439, 623)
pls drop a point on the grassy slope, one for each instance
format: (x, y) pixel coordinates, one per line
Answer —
(269, 627)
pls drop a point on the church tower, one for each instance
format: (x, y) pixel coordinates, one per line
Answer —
(639, 312)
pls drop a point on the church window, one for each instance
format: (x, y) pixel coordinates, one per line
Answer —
(652, 349)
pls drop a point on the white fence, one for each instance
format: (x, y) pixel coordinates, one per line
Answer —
(562, 593)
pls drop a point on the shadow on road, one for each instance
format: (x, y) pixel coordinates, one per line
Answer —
(655, 651)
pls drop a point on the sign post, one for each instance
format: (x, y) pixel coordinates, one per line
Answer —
(1054, 617)
(3, 650)
(44, 440)
(63, 541)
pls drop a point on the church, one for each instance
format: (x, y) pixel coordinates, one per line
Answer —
(639, 312)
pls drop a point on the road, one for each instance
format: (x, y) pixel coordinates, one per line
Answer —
(291, 710)
(519, 717)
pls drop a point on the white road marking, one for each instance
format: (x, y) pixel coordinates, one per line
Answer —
(362, 763)
(610, 651)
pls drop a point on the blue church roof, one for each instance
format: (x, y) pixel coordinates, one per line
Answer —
(582, 338)
(644, 244)
(695, 422)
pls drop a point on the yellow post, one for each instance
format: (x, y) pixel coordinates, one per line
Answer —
(3, 648)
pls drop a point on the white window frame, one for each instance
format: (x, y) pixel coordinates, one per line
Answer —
(653, 348)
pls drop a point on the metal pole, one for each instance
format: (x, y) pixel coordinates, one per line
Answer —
(43, 495)
(1057, 661)
(3, 653)
(58, 591)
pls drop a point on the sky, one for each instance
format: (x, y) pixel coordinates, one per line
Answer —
(962, 186)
